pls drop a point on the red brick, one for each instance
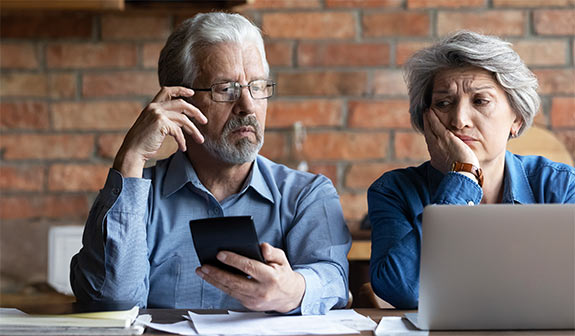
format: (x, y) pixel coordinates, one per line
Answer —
(18, 56)
(389, 83)
(542, 52)
(26, 85)
(343, 54)
(46, 25)
(540, 119)
(76, 177)
(334, 145)
(362, 175)
(568, 138)
(533, 3)
(396, 24)
(21, 178)
(91, 55)
(44, 206)
(276, 4)
(354, 205)
(328, 170)
(379, 114)
(284, 113)
(95, 115)
(279, 53)
(309, 25)
(151, 54)
(497, 22)
(414, 4)
(553, 81)
(132, 83)
(121, 27)
(404, 50)
(410, 146)
(62, 85)
(363, 3)
(563, 112)
(108, 144)
(326, 83)
(275, 146)
(554, 22)
(24, 115)
(35, 146)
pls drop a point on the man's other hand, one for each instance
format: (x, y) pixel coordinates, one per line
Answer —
(271, 286)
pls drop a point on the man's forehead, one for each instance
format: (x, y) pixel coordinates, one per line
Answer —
(229, 61)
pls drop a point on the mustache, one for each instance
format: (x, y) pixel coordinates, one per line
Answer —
(237, 122)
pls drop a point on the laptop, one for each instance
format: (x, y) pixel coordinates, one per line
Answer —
(497, 267)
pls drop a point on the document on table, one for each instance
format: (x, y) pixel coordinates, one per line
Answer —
(255, 323)
(397, 326)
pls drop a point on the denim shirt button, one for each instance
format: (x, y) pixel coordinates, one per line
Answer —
(470, 203)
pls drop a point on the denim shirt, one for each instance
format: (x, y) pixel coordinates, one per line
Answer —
(137, 245)
(396, 201)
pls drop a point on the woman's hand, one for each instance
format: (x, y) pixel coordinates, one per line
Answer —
(443, 146)
(164, 116)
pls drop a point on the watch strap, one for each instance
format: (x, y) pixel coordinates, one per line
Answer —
(469, 168)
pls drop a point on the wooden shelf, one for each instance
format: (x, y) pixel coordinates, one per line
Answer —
(88, 5)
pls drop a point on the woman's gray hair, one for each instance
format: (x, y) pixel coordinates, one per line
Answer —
(178, 65)
(465, 48)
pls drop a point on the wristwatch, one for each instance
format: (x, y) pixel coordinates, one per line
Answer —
(469, 168)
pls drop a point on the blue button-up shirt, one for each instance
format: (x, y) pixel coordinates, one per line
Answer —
(137, 245)
(396, 201)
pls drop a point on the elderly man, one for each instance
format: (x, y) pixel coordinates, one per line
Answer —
(137, 245)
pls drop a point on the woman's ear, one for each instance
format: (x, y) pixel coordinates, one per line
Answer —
(516, 126)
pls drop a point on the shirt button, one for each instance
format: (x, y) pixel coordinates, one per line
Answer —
(470, 203)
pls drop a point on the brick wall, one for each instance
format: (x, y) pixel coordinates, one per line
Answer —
(72, 83)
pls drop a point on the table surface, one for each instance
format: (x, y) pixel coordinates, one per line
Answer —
(174, 315)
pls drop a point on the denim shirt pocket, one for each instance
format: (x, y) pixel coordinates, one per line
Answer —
(164, 279)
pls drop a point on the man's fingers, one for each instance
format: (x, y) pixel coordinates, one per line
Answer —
(181, 106)
(273, 255)
(232, 284)
(170, 92)
(251, 267)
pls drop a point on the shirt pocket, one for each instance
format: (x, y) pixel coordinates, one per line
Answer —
(164, 279)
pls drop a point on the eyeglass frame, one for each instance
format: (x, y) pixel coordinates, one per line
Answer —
(237, 86)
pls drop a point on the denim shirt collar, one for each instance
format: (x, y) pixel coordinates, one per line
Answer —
(516, 185)
(180, 172)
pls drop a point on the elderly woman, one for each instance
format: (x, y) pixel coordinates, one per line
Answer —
(469, 94)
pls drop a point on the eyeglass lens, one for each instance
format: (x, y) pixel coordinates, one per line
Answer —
(232, 91)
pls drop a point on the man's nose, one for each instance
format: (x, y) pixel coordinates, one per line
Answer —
(245, 103)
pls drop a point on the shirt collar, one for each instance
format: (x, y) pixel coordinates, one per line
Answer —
(516, 185)
(180, 171)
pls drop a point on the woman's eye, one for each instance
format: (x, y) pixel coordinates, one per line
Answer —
(480, 101)
(441, 103)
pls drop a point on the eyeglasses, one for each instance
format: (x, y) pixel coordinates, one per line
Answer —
(232, 91)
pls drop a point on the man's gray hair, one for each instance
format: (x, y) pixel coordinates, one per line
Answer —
(178, 65)
(465, 48)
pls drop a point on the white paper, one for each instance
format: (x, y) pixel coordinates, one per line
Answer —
(397, 326)
(256, 323)
(345, 321)
(352, 319)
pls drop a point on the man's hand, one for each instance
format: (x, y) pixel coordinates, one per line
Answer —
(271, 286)
(164, 116)
(443, 146)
